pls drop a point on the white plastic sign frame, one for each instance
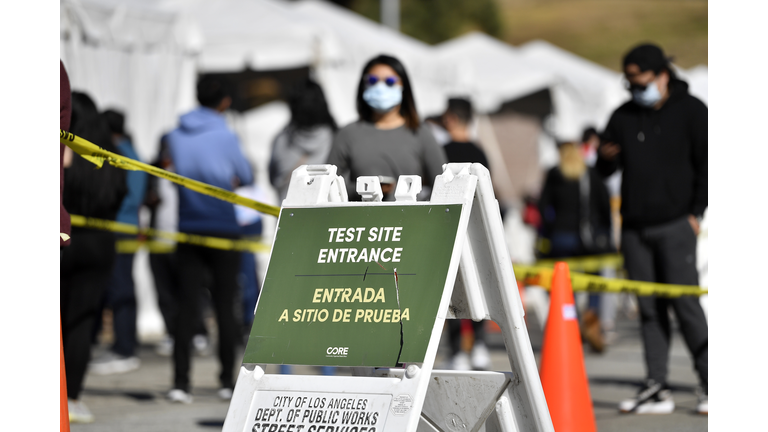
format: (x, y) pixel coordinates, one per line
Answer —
(485, 288)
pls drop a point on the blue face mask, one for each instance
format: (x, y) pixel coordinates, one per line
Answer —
(383, 98)
(647, 97)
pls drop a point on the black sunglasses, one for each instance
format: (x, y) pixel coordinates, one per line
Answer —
(373, 79)
(631, 87)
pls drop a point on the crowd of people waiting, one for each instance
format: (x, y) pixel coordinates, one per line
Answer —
(658, 140)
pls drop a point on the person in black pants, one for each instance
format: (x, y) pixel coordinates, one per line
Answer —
(224, 265)
(204, 149)
(120, 297)
(456, 120)
(576, 219)
(86, 265)
(660, 140)
(161, 200)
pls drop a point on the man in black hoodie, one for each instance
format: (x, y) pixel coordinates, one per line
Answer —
(659, 139)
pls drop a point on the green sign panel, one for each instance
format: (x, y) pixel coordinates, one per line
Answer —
(353, 286)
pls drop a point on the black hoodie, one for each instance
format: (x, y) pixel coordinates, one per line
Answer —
(663, 157)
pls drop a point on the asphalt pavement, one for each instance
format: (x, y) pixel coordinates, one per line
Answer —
(135, 401)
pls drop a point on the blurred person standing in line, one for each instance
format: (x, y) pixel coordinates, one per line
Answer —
(204, 149)
(456, 121)
(86, 264)
(660, 140)
(590, 141)
(576, 219)
(307, 138)
(120, 296)
(606, 303)
(388, 140)
(251, 223)
(162, 199)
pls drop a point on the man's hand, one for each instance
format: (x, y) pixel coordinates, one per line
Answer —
(694, 224)
(609, 150)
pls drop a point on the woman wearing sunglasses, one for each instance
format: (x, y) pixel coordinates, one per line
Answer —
(388, 140)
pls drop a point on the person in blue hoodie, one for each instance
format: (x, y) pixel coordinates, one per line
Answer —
(204, 149)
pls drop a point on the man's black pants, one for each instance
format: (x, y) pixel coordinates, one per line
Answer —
(224, 265)
(666, 253)
(166, 276)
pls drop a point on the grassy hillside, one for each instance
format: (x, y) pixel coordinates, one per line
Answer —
(603, 30)
(600, 30)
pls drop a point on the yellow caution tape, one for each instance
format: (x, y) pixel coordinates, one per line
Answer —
(587, 264)
(129, 246)
(98, 155)
(160, 247)
(542, 276)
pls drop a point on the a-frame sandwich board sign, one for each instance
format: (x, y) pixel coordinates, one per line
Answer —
(368, 285)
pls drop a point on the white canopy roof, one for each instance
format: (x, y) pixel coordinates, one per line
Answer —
(492, 72)
(362, 39)
(590, 92)
(232, 35)
(258, 34)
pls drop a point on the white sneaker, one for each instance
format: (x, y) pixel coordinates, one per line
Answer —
(461, 362)
(703, 406)
(165, 347)
(200, 342)
(481, 360)
(179, 396)
(653, 398)
(225, 394)
(78, 412)
(112, 363)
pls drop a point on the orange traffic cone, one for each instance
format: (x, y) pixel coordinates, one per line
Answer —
(63, 408)
(563, 375)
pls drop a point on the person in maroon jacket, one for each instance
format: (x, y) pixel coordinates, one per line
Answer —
(65, 115)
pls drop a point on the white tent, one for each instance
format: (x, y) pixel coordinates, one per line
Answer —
(362, 39)
(175, 40)
(237, 34)
(492, 72)
(130, 59)
(230, 36)
(592, 92)
(697, 79)
(224, 36)
(589, 94)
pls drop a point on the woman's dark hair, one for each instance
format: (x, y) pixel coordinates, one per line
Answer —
(115, 120)
(309, 107)
(89, 191)
(407, 106)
